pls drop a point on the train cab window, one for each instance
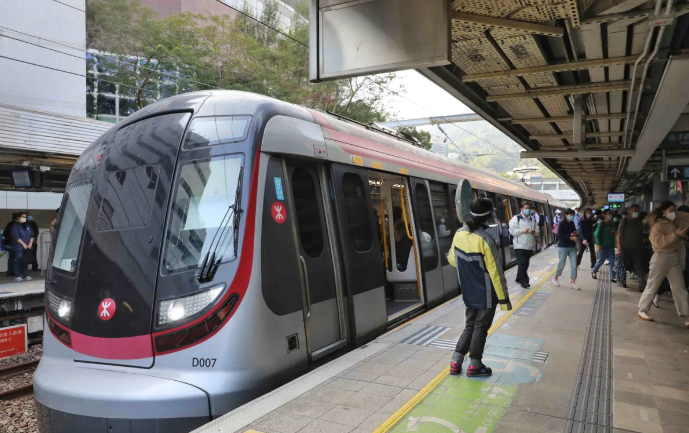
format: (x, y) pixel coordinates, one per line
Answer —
(209, 131)
(307, 212)
(71, 226)
(357, 211)
(429, 246)
(201, 209)
(128, 198)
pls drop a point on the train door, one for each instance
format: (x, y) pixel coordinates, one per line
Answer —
(442, 205)
(428, 241)
(322, 301)
(361, 253)
(504, 213)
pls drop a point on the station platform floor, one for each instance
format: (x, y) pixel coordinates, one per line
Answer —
(10, 289)
(563, 361)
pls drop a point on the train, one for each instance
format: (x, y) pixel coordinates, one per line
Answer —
(216, 245)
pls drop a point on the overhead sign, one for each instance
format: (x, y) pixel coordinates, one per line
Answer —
(13, 340)
(677, 172)
(675, 139)
(357, 38)
(615, 197)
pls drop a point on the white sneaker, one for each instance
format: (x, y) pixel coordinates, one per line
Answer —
(28, 279)
(574, 286)
(655, 301)
(644, 316)
(18, 279)
(555, 282)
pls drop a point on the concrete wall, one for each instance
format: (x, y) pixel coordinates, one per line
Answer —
(44, 41)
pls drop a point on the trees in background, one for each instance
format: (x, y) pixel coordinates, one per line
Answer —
(423, 137)
(151, 58)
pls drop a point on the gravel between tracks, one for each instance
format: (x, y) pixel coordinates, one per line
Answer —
(18, 415)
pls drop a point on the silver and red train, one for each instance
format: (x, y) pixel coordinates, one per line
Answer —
(215, 245)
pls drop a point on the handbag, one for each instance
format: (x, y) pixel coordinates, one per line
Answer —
(27, 257)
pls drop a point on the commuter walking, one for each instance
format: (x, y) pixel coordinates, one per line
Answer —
(7, 234)
(567, 247)
(34, 230)
(475, 255)
(524, 231)
(605, 240)
(556, 221)
(586, 238)
(630, 243)
(22, 242)
(668, 259)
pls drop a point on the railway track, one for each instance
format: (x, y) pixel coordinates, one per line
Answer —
(18, 391)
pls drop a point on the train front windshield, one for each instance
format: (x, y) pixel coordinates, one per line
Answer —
(203, 213)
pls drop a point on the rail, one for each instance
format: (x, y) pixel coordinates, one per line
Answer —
(12, 370)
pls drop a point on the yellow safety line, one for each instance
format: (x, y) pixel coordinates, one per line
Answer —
(430, 386)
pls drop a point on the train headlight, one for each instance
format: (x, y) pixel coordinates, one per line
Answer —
(173, 310)
(58, 306)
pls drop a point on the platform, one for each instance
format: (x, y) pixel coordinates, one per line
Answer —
(11, 289)
(563, 361)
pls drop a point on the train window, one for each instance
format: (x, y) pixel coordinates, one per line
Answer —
(358, 212)
(209, 131)
(127, 199)
(201, 209)
(429, 246)
(307, 212)
(71, 226)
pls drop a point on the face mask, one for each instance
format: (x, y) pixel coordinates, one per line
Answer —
(527, 212)
(670, 216)
(635, 214)
(22, 220)
(615, 219)
(570, 218)
(588, 215)
(30, 218)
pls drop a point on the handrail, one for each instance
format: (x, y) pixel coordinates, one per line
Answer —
(382, 229)
(404, 211)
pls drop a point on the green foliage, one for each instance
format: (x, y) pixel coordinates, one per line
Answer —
(424, 137)
(215, 51)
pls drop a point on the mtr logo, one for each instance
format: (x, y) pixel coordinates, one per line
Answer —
(106, 309)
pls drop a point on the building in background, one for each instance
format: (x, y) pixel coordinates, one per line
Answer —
(440, 148)
(554, 187)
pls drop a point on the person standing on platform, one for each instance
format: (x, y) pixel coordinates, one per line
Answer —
(22, 242)
(629, 242)
(605, 240)
(480, 271)
(7, 234)
(34, 229)
(556, 221)
(586, 238)
(524, 231)
(668, 228)
(567, 247)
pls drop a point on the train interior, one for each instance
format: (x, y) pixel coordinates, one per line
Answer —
(389, 198)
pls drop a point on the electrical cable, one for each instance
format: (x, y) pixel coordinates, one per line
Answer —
(266, 25)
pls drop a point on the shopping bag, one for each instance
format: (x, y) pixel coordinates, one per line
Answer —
(27, 257)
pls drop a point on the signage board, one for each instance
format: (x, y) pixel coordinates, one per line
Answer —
(675, 139)
(615, 197)
(677, 172)
(13, 340)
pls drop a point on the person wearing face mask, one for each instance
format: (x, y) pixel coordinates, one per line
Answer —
(605, 239)
(567, 247)
(34, 230)
(22, 242)
(629, 243)
(524, 231)
(668, 228)
(586, 238)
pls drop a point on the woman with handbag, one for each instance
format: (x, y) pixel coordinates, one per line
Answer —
(22, 242)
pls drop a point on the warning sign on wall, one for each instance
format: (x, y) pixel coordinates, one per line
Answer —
(13, 340)
(278, 211)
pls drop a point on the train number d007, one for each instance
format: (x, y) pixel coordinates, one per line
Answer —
(203, 362)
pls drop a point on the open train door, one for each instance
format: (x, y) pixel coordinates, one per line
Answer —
(361, 253)
(427, 241)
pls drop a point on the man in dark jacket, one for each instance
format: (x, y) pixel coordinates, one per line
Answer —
(7, 234)
(586, 237)
(34, 229)
(629, 241)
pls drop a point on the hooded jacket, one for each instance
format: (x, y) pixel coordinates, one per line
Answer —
(479, 268)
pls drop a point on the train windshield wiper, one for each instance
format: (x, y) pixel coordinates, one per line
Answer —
(233, 215)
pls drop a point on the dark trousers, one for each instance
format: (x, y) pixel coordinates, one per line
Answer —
(635, 259)
(34, 250)
(10, 263)
(523, 259)
(592, 253)
(20, 269)
(473, 338)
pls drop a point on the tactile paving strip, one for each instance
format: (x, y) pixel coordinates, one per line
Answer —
(590, 410)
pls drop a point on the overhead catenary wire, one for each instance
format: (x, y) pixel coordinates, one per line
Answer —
(266, 25)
